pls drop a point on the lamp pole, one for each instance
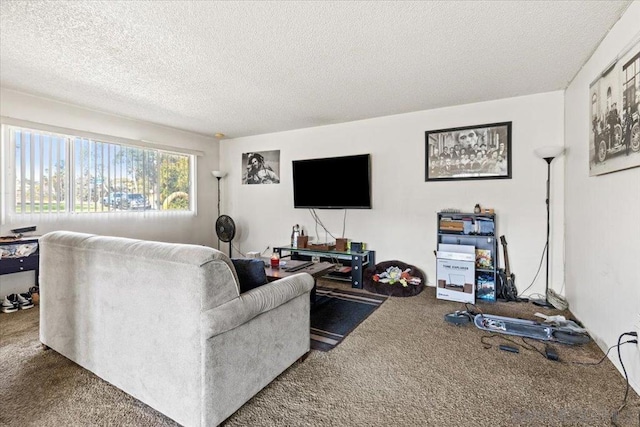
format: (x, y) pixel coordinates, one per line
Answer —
(547, 154)
(218, 247)
(218, 175)
(545, 302)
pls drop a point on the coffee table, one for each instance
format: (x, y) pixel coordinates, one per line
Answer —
(316, 270)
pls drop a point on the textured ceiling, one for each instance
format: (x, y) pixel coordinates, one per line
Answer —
(245, 68)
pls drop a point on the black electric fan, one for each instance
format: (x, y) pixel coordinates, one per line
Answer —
(226, 230)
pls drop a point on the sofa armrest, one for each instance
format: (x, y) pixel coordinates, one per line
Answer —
(252, 303)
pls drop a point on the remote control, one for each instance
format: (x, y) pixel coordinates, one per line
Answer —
(509, 348)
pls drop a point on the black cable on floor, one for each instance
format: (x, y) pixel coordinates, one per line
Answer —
(616, 413)
(605, 355)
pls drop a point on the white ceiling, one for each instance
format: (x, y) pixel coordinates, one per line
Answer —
(245, 68)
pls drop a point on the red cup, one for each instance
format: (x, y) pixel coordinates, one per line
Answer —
(275, 261)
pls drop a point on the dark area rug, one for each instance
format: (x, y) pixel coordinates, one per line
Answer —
(336, 313)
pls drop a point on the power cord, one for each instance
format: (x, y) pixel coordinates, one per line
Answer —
(544, 250)
(238, 250)
(529, 346)
(318, 221)
(605, 355)
(525, 345)
(549, 353)
(614, 415)
(554, 298)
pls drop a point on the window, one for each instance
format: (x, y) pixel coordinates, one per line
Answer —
(63, 173)
(40, 160)
(631, 84)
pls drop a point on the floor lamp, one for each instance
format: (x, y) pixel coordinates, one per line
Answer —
(547, 154)
(218, 175)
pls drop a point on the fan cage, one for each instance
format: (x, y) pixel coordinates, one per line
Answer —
(225, 228)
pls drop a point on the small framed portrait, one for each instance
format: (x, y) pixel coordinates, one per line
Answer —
(261, 167)
(470, 152)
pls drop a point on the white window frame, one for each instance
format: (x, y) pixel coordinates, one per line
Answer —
(8, 168)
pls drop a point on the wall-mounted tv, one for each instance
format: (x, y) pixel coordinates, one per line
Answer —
(333, 182)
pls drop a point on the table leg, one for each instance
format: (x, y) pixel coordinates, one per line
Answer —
(313, 292)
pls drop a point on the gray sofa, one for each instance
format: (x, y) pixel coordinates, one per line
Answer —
(167, 323)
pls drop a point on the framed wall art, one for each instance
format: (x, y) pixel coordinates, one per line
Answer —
(470, 152)
(261, 167)
(614, 140)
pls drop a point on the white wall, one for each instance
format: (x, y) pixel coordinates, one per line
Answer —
(402, 223)
(185, 228)
(602, 217)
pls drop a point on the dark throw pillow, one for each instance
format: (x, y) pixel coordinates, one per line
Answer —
(250, 272)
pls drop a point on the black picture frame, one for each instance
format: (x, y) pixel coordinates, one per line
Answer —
(468, 153)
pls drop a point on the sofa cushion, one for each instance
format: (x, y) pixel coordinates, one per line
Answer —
(251, 273)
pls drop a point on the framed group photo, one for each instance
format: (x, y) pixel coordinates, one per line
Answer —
(470, 152)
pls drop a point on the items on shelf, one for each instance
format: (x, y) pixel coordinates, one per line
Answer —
(447, 224)
(294, 236)
(484, 259)
(341, 244)
(322, 246)
(485, 286)
(476, 231)
(303, 241)
(351, 264)
(477, 225)
(18, 250)
(20, 255)
(357, 247)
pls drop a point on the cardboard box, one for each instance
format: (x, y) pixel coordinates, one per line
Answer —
(302, 242)
(455, 272)
(322, 246)
(341, 245)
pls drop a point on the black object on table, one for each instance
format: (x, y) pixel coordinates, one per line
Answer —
(298, 267)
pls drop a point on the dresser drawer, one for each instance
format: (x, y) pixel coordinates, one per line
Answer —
(15, 265)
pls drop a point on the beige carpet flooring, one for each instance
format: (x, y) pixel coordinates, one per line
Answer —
(403, 366)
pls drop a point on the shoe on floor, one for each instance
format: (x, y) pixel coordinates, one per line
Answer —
(24, 301)
(10, 304)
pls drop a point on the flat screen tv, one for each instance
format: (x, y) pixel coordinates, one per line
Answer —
(333, 182)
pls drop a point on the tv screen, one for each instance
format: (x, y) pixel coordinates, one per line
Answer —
(333, 183)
